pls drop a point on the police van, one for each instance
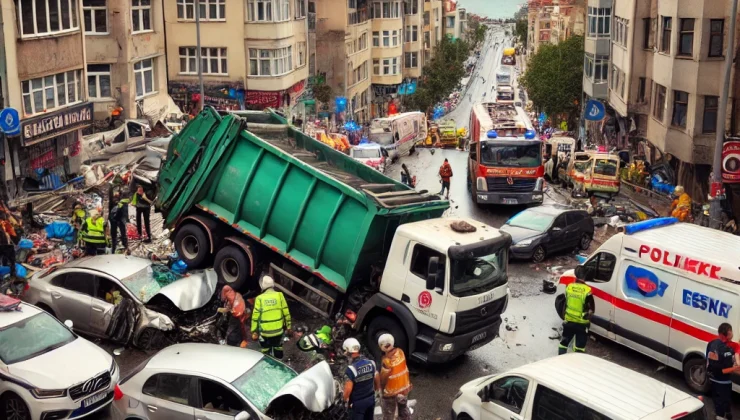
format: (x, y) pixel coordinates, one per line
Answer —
(663, 288)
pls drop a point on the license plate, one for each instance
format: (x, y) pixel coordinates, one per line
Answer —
(479, 337)
(94, 399)
(510, 201)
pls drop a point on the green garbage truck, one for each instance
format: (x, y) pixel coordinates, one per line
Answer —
(251, 195)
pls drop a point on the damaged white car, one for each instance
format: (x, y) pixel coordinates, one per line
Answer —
(209, 381)
(127, 299)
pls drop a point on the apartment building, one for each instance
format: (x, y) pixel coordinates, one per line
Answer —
(554, 21)
(387, 52)
(413, 40)
(597, 49)
(125, 50)
(44, 69)
(343, 36)
(432, 19)
(254, 52)
(452, 22)
(665, 78)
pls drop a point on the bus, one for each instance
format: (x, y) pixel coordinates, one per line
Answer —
(505, 161)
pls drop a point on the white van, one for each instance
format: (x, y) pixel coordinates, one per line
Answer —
(398, 134)
(664, 291)
(573, 386)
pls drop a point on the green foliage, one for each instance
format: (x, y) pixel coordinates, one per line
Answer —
(442, 75)
(521, 31)
(554, 77)
(322, 92)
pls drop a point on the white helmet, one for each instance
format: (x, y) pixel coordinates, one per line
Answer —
(267, 282)
(386, 339)
(351, 345)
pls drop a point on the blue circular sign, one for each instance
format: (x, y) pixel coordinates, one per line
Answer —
(10, 121)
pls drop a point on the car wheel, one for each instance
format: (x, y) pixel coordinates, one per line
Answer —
(234, 268)
(14, 408)
(695, 374)
(152, 339)
(385, 325)
(585, 242)
(192, 245)
(539, 254)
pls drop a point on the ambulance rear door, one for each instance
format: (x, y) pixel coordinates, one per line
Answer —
(599, 274)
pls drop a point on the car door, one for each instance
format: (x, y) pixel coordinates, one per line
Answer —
(169, 396)
(103, 304)
(429, 304)
(573, 230)
(600, 276)
(217, 401)
(72, 298)
(504, 398)
(557, 234)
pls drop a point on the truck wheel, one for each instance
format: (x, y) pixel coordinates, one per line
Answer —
(192, 245)
(385, 325)
(233, 268)
(695, 374)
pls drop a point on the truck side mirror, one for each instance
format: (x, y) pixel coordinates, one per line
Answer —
(432, 273)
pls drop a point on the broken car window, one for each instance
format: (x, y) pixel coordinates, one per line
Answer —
(148, 282)
(216, 397)
(32, 337)
(260, 383)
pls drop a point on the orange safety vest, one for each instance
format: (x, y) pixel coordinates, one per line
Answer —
(398, 381)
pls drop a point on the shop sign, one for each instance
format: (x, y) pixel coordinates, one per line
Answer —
(731, 162)
(34, 130)
(263, 99)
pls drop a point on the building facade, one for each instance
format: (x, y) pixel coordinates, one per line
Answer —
(554, 21)
(254, 53)
(387, 53)
(432, 20)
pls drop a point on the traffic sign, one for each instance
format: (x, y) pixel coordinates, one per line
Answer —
(10, 121)
(595, 110)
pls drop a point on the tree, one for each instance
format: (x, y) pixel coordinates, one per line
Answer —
(442, 75)
(521, 31)
(322, 93)
(554, 78)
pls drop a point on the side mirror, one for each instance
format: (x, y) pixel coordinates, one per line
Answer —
(556, 229)
(432, 273)
(69, 323)
(242, 416)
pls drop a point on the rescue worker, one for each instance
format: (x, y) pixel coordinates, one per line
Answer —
(236, 332)
(271, 319)
(361, 381)
(93, 233)
(720, 367)
(445, 172)
(681, 206)
(118, 217)
(579, 306)
(78, 216)
(143, 206)
(395, 380)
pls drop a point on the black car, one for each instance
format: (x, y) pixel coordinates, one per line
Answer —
(540, 231)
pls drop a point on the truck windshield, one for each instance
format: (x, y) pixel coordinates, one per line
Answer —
(605, 167)
(478, 275)
(512, 156)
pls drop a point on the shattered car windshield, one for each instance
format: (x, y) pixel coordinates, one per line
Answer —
(32, 337)
(260, 383)
(146, 283)
(478, 275)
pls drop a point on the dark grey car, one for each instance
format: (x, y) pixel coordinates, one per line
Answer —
(540, 231)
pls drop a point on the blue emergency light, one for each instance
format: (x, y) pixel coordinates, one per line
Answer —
(633, 228)
(492, 134)
(530, 134)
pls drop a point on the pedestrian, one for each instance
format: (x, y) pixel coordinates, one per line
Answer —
(7, 247)
(143, 206)
(394, 378)
(579, 306)
(236, 332)
(720, 367)
(117, 218)
(360, 383)
(93, 233)
(445, 172)
(270, 319)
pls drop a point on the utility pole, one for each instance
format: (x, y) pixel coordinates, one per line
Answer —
(198, 53)
(715, 209)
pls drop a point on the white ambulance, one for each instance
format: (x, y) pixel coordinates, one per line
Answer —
(663, 288)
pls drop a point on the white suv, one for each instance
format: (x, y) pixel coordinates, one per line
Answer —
(49, 373)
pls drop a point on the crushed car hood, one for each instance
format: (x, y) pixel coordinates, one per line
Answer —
(193, 291)
(314, 388)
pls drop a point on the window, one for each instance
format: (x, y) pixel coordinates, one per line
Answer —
(716, 37)
(551, 405)
(259, 10)
(641, 88)
(426, 18)
(98, 81)
(169, 387)
(412, 34)
(215, 398)
(596, 69)
(376, 39)
(186, 9)
(599, 21)
(575, 217)
(50, 92)
(301, 48)
(386, 10)
(600, 267)
(363, 41)
(95, 14)
(390, 66)
(80, 282)
(411, 7)
(659, 105)
(104, 287)
(621, 29)
(647, 40)
(588, 66)
(411, 60)
(141, 15)
(614, 81)
(420, 261)
(686, 40)
(144, 75)
(508, 392)
(282, 10)
(270, 62)
(680, 107)
(390, 38)
(376, 67)
(300, 9)
(665, 41)
(47, 17)
(209, 9)
(709, 124)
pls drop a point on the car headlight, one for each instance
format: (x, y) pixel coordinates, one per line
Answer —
(526, 242)
(48, 393)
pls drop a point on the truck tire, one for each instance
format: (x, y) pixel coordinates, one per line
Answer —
(192, 245)
(233, 268)
(381, 325)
